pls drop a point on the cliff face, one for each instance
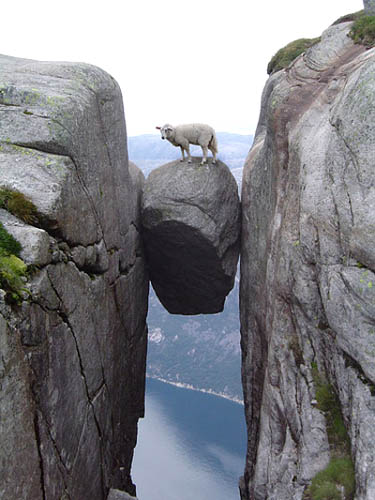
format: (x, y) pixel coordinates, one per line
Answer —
(72, 359)
(308, 269)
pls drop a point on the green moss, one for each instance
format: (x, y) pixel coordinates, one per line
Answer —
(287, 54)
(340, 470)
(323, 490)
(23, 208)
(13, 275)
(349, 17)
(328, 402)
(363, 30)
(17, 204)
(13, 271)
(8, 244)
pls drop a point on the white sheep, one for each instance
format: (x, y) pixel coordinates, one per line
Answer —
(194, 133)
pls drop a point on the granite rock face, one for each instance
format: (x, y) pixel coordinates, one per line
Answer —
(369, 7)
(119, 495)
(191, 229)
(308, 268)
(73, 356)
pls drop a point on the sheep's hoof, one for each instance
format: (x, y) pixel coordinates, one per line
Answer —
(190, 161)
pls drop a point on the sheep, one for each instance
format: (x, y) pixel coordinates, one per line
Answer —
(195, 133)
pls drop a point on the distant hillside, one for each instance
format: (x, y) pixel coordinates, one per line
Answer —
(204, 350)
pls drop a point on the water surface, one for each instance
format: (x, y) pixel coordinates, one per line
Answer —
(191, 446)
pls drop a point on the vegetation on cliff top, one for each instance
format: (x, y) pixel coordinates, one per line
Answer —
(348, 17)
(287, 54)
(363, 30)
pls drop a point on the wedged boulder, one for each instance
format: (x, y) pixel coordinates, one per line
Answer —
(191, 230)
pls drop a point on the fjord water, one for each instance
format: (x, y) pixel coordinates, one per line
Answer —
(191, 445)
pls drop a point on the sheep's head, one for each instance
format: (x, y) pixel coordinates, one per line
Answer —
(167, 131)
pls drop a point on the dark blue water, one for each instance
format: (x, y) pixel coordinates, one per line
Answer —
(191, 446)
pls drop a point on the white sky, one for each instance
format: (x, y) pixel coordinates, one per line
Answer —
(176, 61)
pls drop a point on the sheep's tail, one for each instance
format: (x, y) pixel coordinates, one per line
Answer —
(213, 143)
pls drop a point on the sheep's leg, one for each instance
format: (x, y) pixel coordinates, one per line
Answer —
(182, 153)
(188, 153)
(205, 151)
(184, 145)
(213, 154)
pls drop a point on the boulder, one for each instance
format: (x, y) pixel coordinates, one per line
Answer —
(191, 231)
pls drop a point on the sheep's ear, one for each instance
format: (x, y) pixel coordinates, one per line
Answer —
(159, 128)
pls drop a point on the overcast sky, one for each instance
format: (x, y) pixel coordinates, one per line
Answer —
(176, 61)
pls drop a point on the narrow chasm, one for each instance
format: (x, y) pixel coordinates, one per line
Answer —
(190, 224)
